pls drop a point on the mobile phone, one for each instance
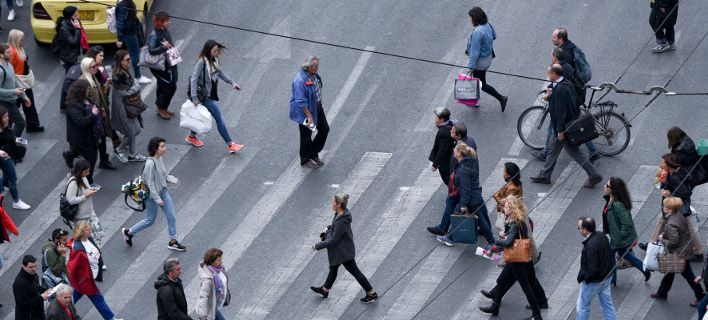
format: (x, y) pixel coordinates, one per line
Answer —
(21, 140)
(96, 188)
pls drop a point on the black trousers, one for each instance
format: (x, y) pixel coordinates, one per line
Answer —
(506, 280)
(31, 115)
(310, 148)
(687, 274)
(444, 174)
(17, 120)
(166, 86)
(523, 273)
(353, 270)
(482, 76)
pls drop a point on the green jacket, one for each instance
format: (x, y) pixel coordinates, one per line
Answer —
(621, 226)
(55, 261)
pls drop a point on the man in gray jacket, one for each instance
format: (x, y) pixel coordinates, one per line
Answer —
(10, 91)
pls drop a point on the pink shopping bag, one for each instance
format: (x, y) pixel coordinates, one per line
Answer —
(467, 90)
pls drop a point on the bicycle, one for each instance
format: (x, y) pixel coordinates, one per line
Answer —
(612, 127)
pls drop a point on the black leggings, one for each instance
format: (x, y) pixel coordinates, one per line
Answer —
(353, 270)
(482, 76)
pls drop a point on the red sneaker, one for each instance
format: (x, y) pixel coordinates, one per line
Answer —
(194, 141)
(233, 147)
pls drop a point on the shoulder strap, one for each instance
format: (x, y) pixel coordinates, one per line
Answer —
(4, 76)
(46, 262)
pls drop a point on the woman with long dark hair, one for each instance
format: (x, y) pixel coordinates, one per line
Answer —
(8, 153)
(481, 52)
(159, 41)
(682, 146)
(79, 192)
(617, 222)
(129, 32)
(338, 239)
(205, 75)
(81, 117)
(124, 85)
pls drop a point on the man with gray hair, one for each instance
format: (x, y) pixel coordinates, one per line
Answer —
(306, 110)
(171, 302)
(444, 143)
(62, 308)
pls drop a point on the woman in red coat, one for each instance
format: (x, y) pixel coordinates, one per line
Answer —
(84, 267)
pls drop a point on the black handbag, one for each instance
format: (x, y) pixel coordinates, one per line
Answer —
(201, 91)
(67, 210)
(580, 130)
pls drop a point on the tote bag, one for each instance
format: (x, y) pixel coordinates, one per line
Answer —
(651, 261)
(520, 251)
(467, 90)
(152, 61)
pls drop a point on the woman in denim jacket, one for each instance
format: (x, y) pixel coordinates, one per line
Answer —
(481, 52)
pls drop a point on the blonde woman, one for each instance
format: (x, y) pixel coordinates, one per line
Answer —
(676, 238)
(517, 228)
(25, 77)
(84, 268)
(214, 291)
(96, 94)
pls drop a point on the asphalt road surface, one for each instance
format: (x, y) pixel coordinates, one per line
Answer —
(265, 211)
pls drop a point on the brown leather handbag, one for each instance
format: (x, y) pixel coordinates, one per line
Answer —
(134, 105)
(520, 251)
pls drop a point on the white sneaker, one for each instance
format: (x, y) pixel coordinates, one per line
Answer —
(11, 15)
(19, 3)
(20, 205)
(144, 80)
(661, 48)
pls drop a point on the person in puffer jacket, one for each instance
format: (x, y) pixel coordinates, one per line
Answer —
(171, 303)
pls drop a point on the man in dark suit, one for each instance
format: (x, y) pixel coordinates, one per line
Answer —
(444, 143)
(563, 109)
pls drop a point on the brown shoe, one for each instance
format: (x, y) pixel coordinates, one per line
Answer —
(656, 295)
(164, 114)
(170, 112)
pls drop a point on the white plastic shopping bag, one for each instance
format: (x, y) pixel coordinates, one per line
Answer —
(195, 118)
(651, 260)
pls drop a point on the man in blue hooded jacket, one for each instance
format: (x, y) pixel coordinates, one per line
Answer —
(306, 110)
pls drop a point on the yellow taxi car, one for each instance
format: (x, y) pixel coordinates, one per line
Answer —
(91, 12)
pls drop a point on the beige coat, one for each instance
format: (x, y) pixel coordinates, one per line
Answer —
(206, 302)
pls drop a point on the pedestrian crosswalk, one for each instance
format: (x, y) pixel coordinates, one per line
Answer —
(401, 208)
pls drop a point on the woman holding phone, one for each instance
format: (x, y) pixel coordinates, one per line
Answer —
(79, 192)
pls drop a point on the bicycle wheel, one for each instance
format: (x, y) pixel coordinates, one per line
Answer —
(614, 133)
(532, 129)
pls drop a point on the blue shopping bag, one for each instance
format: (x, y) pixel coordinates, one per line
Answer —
(463, 229)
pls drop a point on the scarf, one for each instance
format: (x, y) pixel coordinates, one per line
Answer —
(450, 122)
(218, 285)
(99, 130)
(84, 40)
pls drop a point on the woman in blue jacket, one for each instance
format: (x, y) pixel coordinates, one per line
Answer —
(471, 201)
(481, 52)
(129, 31)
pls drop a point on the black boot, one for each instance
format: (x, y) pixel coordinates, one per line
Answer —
(493, 309)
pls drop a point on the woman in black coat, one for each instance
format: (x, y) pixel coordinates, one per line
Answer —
(82, 117)
(159, 41)
(338, 239)
(68, 30)
(523, 272)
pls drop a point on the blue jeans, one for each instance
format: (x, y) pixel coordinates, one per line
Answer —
(219, 315)
(592, 149)
(450, 205)
(8, 172)
(99, 302)
(151, 213)
(133, 47)
(587, 291)
(629, 257)
(213, 108)
(702, 307)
